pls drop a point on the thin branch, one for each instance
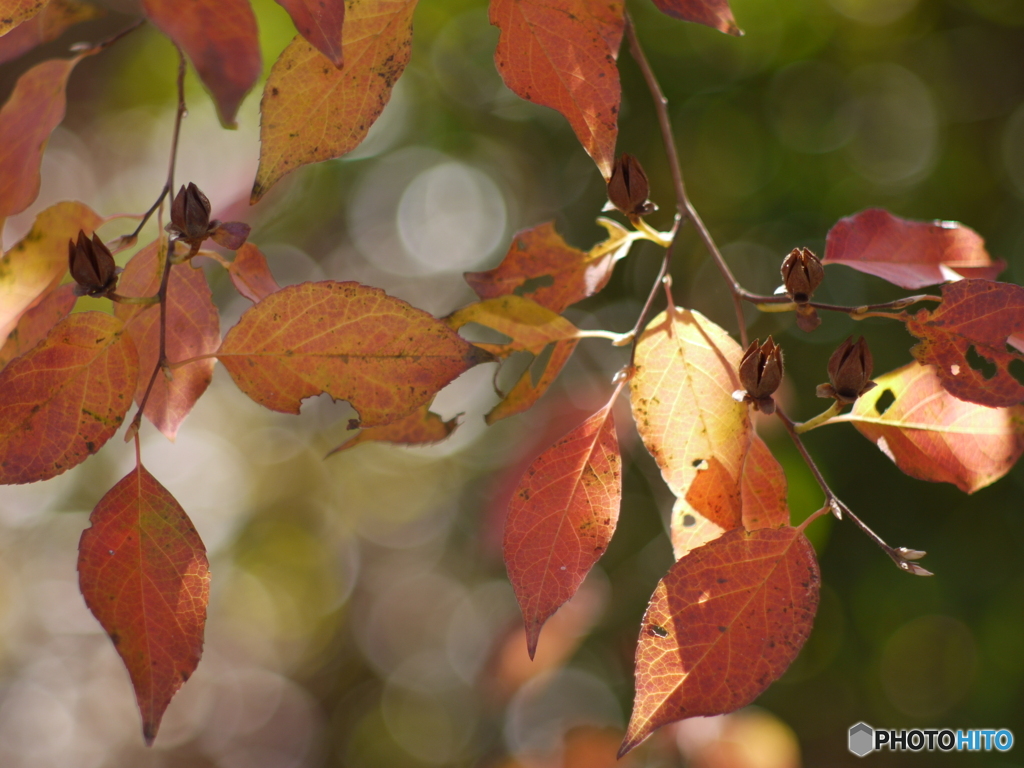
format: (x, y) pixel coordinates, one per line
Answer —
(88, 50)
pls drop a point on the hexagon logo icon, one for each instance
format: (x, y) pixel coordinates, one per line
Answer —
(862, 738)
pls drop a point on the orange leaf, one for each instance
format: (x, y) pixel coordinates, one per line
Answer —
(561, 54)
(143, 572)
(351, 341)
(312, 110)
(65, 398)
(561, 518)
(193, 329)
(14, 12)
(320, 22)
(541, 266)
(37, 322)
(47, 25)
(931, 435)
(976, 317)
(421, 427)
(712, 13)
(702, 439)
(722, 625)
(33, 110)
(221, 39)
(250, 273)
(534, 382)
(38, 262)
(910, 254)
(530, 326)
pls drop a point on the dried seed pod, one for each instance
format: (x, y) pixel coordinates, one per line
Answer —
(190, 216)
(802, 273)
(761, 373)
(92, 266)
(849, 372)
(628, 188)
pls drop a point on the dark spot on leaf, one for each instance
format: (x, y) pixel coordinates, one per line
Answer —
(1016, 369)
(689, 521)
(981, 364)
(654, 629)
(884, 401)
(722, 629)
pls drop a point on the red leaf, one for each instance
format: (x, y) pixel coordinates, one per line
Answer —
(14, 12)
(561, 518)
(713, 13)
(351, 341)
(231, 235)
(931, 435)
(251, 275)
(37, 322)
(561, 54)
(221, 39)
(979, 314)
(34, 108)
(534, 382)
(143, 572)
(541, 266)
(320, 22)
(313, 111)
(910, 254)
(421, 427)
(47, 25)
(724, 623)
(65, 398)
(193, 329)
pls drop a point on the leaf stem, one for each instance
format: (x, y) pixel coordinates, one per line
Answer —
(786, 304)
(903, 557)
(822, 418)
(189, 361)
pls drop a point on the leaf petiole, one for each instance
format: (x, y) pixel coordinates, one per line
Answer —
(822, 418)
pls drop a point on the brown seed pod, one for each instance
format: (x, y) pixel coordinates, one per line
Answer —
(91, 265)
(849, 372)
(760, 374)
(628, 188)
(190, 216)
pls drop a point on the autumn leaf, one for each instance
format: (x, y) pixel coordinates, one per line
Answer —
(34, 108)
(530, 326)
(723, 624)
(702, 439)
(65, 397)
(973, 326)
(37, 322)
(220, 38)
(143, 572)
(561, 54)
(320, 22)
(534, 381)
(250, 273)
(192, 329)
(353, 342)
(541, 266)
(931, 435)
(910, 254)
(14, 12)
(561, 518)
(313, 111)
(420, 427)
(47, 25)
(713, 13)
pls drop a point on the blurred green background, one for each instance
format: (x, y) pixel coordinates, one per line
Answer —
(360, 615)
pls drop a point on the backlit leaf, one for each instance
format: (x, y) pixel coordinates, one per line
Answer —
(143, 572)
(534, 381)
(37, 322)
(38, 262)
(561, 518)
(47, 25)
(541, 266)
(65, 398)
(713, 13)
(701, 438)
(910, 254)
(250, 273)
(561, 54)
(421, 427)
(320, 22)
(724, 623)
(14, 12)
(34, 108)
(354, 342)
(973, 327)
(193, 329)
(313, 111)
(931, 435)
(530, 326)
(221, 40)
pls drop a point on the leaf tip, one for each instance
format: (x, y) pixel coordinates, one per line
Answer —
(149, 730)
(532, 637)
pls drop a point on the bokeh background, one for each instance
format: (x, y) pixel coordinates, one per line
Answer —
(360, 615)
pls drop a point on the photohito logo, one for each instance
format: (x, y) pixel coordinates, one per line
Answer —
(864, 739)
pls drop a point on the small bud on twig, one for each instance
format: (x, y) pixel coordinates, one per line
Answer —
(760, 374)
(628, 188)
(92, 266)
(802, 273)
(849, 372)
